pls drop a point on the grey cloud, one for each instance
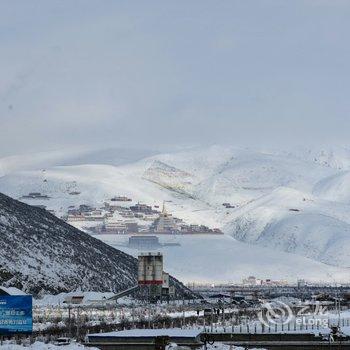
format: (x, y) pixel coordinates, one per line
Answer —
(162, 72)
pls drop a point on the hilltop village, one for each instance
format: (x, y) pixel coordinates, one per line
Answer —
(120, 216)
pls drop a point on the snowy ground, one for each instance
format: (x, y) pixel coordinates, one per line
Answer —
(59, 299)
(221, 346)
(43, 346)
(207, 258)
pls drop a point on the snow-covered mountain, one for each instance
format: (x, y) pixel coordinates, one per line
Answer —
(77, 156)
(333, 156)
(296, 222)
(39, 253)
(334, 188)
(294, 203)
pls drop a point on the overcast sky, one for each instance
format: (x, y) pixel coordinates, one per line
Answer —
(160, 73)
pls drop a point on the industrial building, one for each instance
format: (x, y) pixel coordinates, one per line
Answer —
(144, 242)
(150, 269)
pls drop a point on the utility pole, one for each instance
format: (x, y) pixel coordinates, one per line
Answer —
(132, 315)
(183, 312)
(149, 306)
(69, 320)
(78, 322)
(223, 315)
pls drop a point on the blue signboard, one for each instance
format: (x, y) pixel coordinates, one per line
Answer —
(16, 314)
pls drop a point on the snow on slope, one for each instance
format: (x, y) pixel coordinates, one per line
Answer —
(220, 174)
(249, 175)
(334, 188)
(264, 187)
(333, 156)
(200, 162)
(75, 156)
(169, 177)
(296, 222)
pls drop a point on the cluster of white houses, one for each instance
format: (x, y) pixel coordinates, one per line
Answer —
(114, 218)
(120, 215)
(253, 281)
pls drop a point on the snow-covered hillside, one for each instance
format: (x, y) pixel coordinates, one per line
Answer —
(40, 253)
(333, 156)
(296, 222)
(295, 203)
(112, 156)
(334, 188)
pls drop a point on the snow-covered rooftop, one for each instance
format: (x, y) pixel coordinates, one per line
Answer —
(11, 291)
(171, 332)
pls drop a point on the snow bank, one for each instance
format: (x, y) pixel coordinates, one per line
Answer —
(220, 346)
(43, 346)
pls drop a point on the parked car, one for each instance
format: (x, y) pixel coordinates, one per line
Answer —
(62, 341)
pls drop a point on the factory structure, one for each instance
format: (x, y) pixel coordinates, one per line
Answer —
(150, 269)
(152, 277)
